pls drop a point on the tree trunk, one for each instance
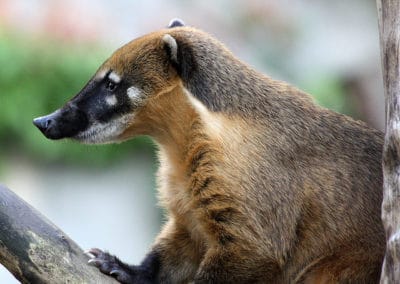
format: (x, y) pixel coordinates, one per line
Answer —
(389, 29)
(36, 251)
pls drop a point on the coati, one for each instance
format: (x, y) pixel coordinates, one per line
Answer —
(261, 185)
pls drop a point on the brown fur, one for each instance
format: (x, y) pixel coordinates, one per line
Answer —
(260, 184)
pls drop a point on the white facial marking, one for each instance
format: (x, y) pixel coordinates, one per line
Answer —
(102, 133)
(111, 100)
(133, 93)
(114, 77)
(168, 39)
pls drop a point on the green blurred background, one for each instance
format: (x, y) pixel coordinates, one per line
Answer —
(104, 195)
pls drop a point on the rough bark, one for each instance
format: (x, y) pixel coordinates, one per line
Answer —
(36, 251)
(389, 29)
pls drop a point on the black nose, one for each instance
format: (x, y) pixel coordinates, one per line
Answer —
(43, 123)
(65, 122)
(48, 124)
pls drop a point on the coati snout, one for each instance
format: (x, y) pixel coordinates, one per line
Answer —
(62, 123)
(97, 114)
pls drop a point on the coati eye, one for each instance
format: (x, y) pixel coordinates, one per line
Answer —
(111, 86)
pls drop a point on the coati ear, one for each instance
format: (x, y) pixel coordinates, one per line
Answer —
(180, 55)
(171, 47)
(176, 23)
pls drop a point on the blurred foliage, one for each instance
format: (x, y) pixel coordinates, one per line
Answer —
(38, 76)
(328, 91)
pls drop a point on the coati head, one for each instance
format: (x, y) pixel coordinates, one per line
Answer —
(108, 104)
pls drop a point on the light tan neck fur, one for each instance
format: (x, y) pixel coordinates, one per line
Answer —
(178, 128)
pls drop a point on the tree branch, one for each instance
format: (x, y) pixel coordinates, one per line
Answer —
(389, 30)
(36, 251)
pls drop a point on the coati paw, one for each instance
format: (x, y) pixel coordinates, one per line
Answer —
(110, 265)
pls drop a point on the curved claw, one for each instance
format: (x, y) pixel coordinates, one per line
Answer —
(94, 251)
(89, 254)
(95, 262)
(115, 272)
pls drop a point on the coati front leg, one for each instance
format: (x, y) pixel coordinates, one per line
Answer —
(173, 259)
(221, 265)
(124, 273)
(233, 257)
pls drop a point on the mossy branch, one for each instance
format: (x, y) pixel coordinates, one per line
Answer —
(35, 251)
